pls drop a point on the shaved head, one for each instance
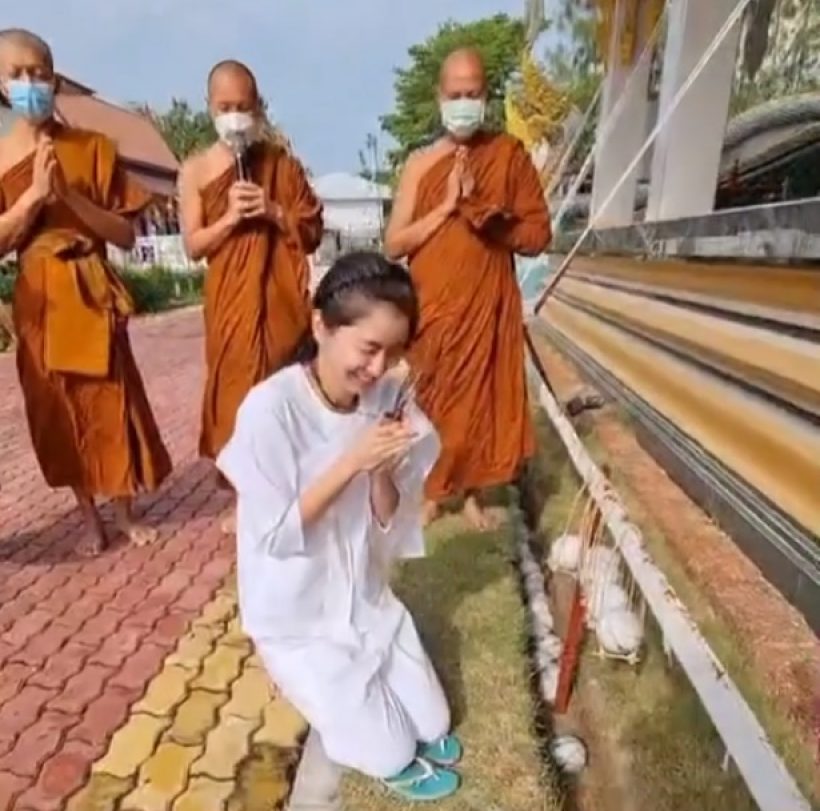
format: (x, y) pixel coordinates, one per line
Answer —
(463, 64)
(18, 39)
(232, 72)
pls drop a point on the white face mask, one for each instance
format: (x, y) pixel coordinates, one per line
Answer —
(238, 130)
(462, 117)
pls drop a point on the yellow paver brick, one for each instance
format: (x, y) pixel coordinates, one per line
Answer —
(263, 782)
(249, 695)
(226, 745)
(283, 727)
(235, 637)
(162, 778)
(102, 792)
(220, 669)
(217, 613)
(204, 794)
(255, 662)
(194, 647)
(166, 691)
(132, 745)
(195, 717)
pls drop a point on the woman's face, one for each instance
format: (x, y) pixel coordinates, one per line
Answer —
(359, 354)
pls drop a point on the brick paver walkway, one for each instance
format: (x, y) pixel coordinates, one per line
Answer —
(139, 642)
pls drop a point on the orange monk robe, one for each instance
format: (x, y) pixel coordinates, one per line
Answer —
(257, 307)
(470, 348)
(89, 418)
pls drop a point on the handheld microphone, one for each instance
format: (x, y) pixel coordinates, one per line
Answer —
(240, 145)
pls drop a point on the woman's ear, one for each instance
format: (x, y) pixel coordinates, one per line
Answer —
(317, 326)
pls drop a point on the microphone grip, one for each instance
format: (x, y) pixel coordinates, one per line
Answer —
(241, 167)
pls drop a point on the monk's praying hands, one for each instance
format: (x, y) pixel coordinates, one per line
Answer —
(467, 179)
(454, 181)
(45, 164)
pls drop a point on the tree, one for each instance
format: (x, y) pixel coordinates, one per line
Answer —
(184, 129)
(415, 119)
(574, 62)
(370, 163)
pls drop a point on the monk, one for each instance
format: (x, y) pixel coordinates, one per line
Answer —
(63, 196)
(464, 207)
(256, 233)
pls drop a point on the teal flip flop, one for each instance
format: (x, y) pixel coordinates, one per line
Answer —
(423, 782)
(446, 751)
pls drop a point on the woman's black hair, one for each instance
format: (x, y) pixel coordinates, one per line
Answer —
(356, 279)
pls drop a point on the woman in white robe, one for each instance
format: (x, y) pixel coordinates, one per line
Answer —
(329, 484)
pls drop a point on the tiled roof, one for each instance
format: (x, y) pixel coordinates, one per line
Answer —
(136, 137)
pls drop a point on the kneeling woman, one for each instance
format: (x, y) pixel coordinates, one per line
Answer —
(329, 482)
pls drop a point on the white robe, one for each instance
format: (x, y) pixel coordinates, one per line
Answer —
(316, 601)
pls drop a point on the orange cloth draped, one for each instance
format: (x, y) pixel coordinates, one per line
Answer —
(90, 421)
(470, 348)
(256, 289)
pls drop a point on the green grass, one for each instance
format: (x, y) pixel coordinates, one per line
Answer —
(466, 602)
(652, 718)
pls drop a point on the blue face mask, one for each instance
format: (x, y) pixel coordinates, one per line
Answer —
(32, 100)
(462, 117)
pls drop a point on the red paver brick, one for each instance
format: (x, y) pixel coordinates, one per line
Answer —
(6, 651)
(216, 571)
(62, 666)
(46, 584)
(36, 744)
(99, 627)
(172, 585)
(79, 612)
(118, 647)
(15, 583)
(11, 786)
(38, 649)
(104, 715)
(20, 712)
(170, 628)
(65, 597)
(129, 596)
(12, 678)
(195, 597)
(139, 668)
(60, 777)
(82, 689)
(146, 615)
(12, 610)
(27, 626)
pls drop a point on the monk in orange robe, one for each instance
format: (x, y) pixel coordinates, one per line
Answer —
(463, 208)
(63, 196)
(247, 208)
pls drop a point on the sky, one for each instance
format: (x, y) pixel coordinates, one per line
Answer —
(325, 66)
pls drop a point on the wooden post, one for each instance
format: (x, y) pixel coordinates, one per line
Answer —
(590, 525)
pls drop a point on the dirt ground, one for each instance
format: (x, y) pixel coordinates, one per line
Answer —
(767, 646)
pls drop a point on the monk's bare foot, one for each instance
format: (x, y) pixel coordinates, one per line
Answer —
(476, 515)
(94, 540)
(228, 525)
(136, 533)
(430, 513)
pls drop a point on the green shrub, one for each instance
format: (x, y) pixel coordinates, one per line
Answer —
(153, 290)
(159, 289)
(6, 288)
